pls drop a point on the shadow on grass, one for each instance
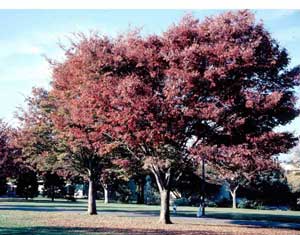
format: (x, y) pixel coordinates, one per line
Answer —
(42, 206)
(266, 224)
(80, 208)
(99, 231)
(244, 216)
(40, 209)
(256, 216)
(44, 200)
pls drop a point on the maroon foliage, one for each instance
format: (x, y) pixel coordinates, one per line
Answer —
(213, 89)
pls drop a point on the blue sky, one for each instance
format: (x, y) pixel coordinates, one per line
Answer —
(27, 35)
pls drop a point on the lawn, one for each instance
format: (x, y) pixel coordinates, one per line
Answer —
(43, 217)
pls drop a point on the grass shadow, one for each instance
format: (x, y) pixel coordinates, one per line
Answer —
(99, 231)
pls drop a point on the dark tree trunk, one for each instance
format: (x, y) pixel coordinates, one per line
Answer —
(163, 180)
(92, 197)
(26, 193)
(52, 193)
(141, 195)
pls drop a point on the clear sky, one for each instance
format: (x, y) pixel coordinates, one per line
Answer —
(27, 35)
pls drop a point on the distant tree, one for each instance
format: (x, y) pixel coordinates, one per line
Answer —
(140, 180)
(9, 164)
(295, 157)
(193, 176)
(293, 179)
(3, 185)
(53, 183)
(27, 184)
(107, 178)
(41, 148)
(250, 167)
(263, 186)
(4, 146)
(133, 169)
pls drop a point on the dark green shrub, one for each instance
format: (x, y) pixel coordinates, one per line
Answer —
(181, 201)
(27, 185)
(3, 185)
(224, 203)
(250, 204)
(210, 203)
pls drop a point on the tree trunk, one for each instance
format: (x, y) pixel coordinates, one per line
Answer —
(163, 181)
(92, 198)
(233, 200)
(52, 193)
(106, 199)
(26, 193)
(164, 217)
(141, 195)
(233, 195)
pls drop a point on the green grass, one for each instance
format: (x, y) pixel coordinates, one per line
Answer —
(40, 216)
(44, 205)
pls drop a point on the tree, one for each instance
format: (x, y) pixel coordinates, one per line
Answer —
(237, 168)
(132, 170)
(41, 148)
(27, 184)
(3, 185)
(82, 110)
(221, 84)
(36, 137)
(140, 180)
(12, 164)
(52, 183)
(8, 154)
(217, 85)
(293, 176)
(108, 176)
(4, 149)
(264, 185)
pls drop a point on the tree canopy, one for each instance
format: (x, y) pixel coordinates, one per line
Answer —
(212, 89)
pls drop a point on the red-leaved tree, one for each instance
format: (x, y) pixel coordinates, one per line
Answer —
(240, 166)
(82, 108)
(7, 151)
(222, 83)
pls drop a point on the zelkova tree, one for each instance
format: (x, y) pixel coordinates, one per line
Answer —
(83, 111)
(222, 82)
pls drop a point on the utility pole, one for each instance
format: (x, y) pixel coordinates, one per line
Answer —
(203, 186)
(201, 210)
